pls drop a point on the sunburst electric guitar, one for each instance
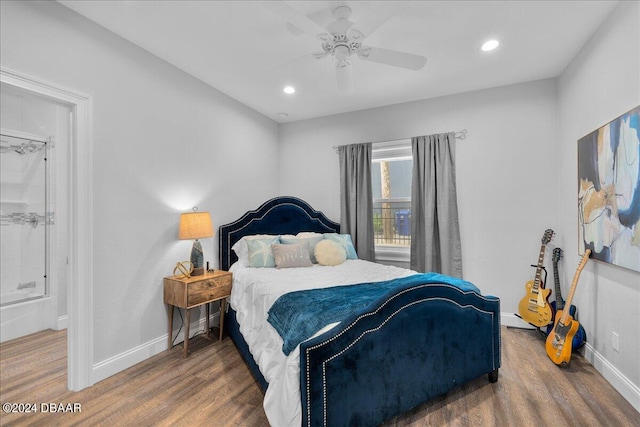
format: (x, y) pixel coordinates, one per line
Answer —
(559, 341)
(534, 307)
(559, 304)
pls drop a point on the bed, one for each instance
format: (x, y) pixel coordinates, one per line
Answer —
(421, 337)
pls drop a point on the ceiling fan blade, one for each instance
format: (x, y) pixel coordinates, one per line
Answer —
(373, 19)
(392, 57)
(324, 17)
(293, 17)
(345, 79)
(293, 29)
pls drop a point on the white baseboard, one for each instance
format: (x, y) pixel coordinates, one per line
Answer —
(122, 361)
(627, 389)
(513, 321)
(63, 322)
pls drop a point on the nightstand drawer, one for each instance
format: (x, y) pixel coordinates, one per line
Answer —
(208, 290)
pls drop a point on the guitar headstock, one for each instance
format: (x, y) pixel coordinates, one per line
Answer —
(557, 254)
(548, 235)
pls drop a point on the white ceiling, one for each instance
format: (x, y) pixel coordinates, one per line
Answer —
(234, 45)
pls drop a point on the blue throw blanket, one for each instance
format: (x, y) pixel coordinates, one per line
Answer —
(298, 315)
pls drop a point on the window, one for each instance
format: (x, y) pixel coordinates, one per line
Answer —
(391, 171)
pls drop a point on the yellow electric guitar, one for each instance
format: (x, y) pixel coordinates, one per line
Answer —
(559, 341)
(534, 307)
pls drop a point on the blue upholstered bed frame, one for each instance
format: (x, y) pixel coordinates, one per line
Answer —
(387, 358)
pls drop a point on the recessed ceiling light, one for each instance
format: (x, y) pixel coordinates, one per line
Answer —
(289, 90)
(283, 115)
(490, 45)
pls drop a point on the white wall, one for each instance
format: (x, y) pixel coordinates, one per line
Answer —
(505, 171)
(163, 142)
(600, 84)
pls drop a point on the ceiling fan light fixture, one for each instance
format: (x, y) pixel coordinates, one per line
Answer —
(341, 54)
(490, 45)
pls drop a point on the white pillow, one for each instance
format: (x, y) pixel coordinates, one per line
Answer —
(343, 240)
(305, 234)
(241, 249)
(329, 252)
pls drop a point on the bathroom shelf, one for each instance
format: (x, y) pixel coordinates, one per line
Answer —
(18, 142)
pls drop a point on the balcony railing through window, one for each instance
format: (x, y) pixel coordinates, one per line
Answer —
(392, 222)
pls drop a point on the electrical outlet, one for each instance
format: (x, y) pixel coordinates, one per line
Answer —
(615, 341)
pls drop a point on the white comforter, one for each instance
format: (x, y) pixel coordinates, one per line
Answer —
(255, 290)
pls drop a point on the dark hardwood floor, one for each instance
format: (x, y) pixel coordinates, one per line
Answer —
(213, 387)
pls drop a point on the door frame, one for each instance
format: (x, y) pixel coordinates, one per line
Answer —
(80, 222)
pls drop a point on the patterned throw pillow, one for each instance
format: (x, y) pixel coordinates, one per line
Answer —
(242, 250)
(310, 241)
(343, 240)
(291, 255)
(260, 254)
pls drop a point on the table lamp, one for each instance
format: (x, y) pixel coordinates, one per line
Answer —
(196, 225)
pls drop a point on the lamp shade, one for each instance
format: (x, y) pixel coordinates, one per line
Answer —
(195, 225)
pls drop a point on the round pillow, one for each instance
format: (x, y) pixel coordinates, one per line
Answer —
(329, 252)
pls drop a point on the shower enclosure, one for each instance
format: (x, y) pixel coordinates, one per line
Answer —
(24, 216)
(33, 199)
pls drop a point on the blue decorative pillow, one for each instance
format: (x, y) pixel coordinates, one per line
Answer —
(311, 241)
(343, 240)
(242, 250)
(260, 254)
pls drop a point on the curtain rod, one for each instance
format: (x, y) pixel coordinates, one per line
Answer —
(461, 134)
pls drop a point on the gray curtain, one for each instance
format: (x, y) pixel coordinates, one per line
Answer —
(435, 230)
(356, 206)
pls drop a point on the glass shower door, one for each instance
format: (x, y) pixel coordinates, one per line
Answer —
(23, 217)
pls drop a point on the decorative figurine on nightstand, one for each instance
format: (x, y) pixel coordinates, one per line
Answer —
(196, 225)
(185, 268)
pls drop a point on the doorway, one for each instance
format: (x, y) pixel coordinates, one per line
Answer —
(76, 205)
(33, 183)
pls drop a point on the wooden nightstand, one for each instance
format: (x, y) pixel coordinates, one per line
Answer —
(194, 291)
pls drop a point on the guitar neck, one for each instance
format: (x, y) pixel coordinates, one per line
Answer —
(583, 262)
(538, 278)
(556, 279)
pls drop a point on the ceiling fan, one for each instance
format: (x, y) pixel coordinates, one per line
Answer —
(342, 39)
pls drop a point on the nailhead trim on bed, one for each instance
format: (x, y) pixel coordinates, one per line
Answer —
(324, 362)
(266, 221)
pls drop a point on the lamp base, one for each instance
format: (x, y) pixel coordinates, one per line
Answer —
(197, 259)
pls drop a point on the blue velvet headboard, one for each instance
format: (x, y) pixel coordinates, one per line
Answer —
(280, 215)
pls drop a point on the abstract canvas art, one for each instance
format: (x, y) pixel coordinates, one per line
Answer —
(609, 191)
